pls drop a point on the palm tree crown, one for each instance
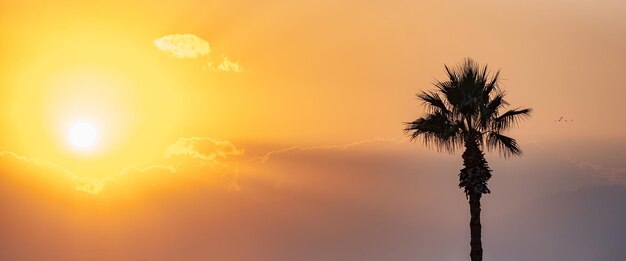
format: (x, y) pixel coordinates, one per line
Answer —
(466, 110)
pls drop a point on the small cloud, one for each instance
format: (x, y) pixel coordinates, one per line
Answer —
(226, 66)
(183, 45)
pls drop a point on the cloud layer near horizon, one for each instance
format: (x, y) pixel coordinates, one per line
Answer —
(214, 156)
(370, 200)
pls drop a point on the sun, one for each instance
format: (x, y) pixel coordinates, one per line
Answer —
(83, 135)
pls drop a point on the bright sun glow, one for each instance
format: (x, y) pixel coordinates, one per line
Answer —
(83, 135)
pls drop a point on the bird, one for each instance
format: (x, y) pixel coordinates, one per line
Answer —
(563, 119)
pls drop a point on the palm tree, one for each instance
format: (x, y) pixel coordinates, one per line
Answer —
(466, 111)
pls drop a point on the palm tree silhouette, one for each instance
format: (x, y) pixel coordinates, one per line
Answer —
(466, 111)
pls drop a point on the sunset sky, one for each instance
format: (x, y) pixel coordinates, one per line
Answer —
(246, 130)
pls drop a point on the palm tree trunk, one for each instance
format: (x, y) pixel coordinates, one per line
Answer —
(473, 178)
(476, 253)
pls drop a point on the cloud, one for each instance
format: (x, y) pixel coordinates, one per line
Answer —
(198, 157)
(203, 151)
(191, 46)
(226, 66)
(261, 222)
(265, 157)
(598, 171)
(612, 175)
(187, 155)
(183, 45)
(50, 171)
(376, 199)
(91, 185)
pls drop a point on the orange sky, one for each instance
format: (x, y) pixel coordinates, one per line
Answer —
(259, 103)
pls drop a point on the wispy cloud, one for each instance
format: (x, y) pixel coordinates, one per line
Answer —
(209, 155)
(611, 174)
(265, 157)
(226, 66)
(84, 184)
(183, 45)
(186, 154)
(204, 151)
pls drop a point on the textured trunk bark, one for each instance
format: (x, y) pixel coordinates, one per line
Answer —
(473, 178)
(476, 253)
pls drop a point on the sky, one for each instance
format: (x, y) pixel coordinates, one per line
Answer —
(241, 130)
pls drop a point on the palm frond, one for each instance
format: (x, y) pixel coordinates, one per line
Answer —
(492, 85)
(436, 130)
(510, 118)
(469, 86)
(490, 110)
(452, 74)
(507, 146)
(433, 101)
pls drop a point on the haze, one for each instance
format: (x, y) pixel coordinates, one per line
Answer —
(243, 130)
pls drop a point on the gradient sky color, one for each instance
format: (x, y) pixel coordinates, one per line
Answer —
(241, 130)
